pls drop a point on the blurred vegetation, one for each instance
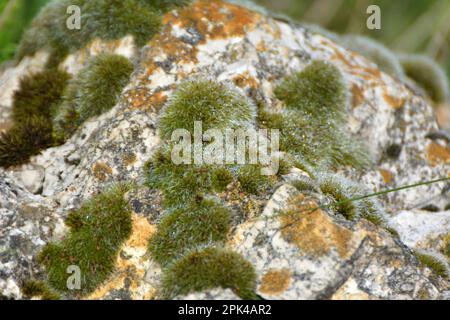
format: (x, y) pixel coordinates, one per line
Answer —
(15, 16)
(413, 26)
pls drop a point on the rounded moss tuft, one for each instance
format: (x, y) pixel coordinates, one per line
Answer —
(165, 5)
(139, 18)
(251, 179)
(314, 126)
(221, 178)
(319, 91)
(24, 140)
(190, 227)
(341, 191)
(38, 94)
(95, 90)
(386, 60)
(102, 225)
(435, 263)
(428, 75)
(32, 106)
(133, 17)
(35, 288)
(208, 269)
(216, 105)
(344, 194)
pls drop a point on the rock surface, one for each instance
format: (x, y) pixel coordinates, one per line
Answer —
(317, 257)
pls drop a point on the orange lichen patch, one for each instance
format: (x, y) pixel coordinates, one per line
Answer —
(338, 55)
(387, 175)
(206, 20)
(357, 95)
(275, 281)
(101, 171)
(349, 59)
(261, 46)
(142, 231)
(394, 102)
(312, 230)
(157, 100)
(141, 98)
(437, 154)
(114, 284)
(245, 80)
(214, 19)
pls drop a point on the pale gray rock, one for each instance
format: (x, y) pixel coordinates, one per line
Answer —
(352, 260)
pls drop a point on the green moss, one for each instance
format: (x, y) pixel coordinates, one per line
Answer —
(24, 140)
(216, 105)
(251, 179)
(430, 261)
(372, 211)
(344, 192)
(208, 269)
(183, 229)
(220, 179)
(31, 113)
(38, 94)
(376, 52)
(165, 5)
(95, 90)
(318, 91)
(104, 19)
(304, 184)
(180, 184)
(314, 126)
(35, 288)
(97, 231)
(114, 19)
(341, 190)
(427, 74)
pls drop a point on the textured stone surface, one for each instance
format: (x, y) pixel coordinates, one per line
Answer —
(252, 51)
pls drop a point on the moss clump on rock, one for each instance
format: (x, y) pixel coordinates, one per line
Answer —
(33, 103)
(39, 94)
(428, 75)
(434, 263)
(344, 194)
(180, 184)
(186, 228)
(103, 19)
(251, 179)
(208, 269)
(97, 231)
(38, 289)
(215, 104)
(24, 140)
(313, 126)
(95, 90)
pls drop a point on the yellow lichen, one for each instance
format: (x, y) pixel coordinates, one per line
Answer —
(313, 231)
(387, 176)
(275, 281)
(438, 154)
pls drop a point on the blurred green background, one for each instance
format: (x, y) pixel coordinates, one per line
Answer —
(413, 26)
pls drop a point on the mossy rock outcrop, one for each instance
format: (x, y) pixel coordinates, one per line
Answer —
(292, 235)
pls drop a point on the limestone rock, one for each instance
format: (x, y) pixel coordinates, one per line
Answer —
(320, 256)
